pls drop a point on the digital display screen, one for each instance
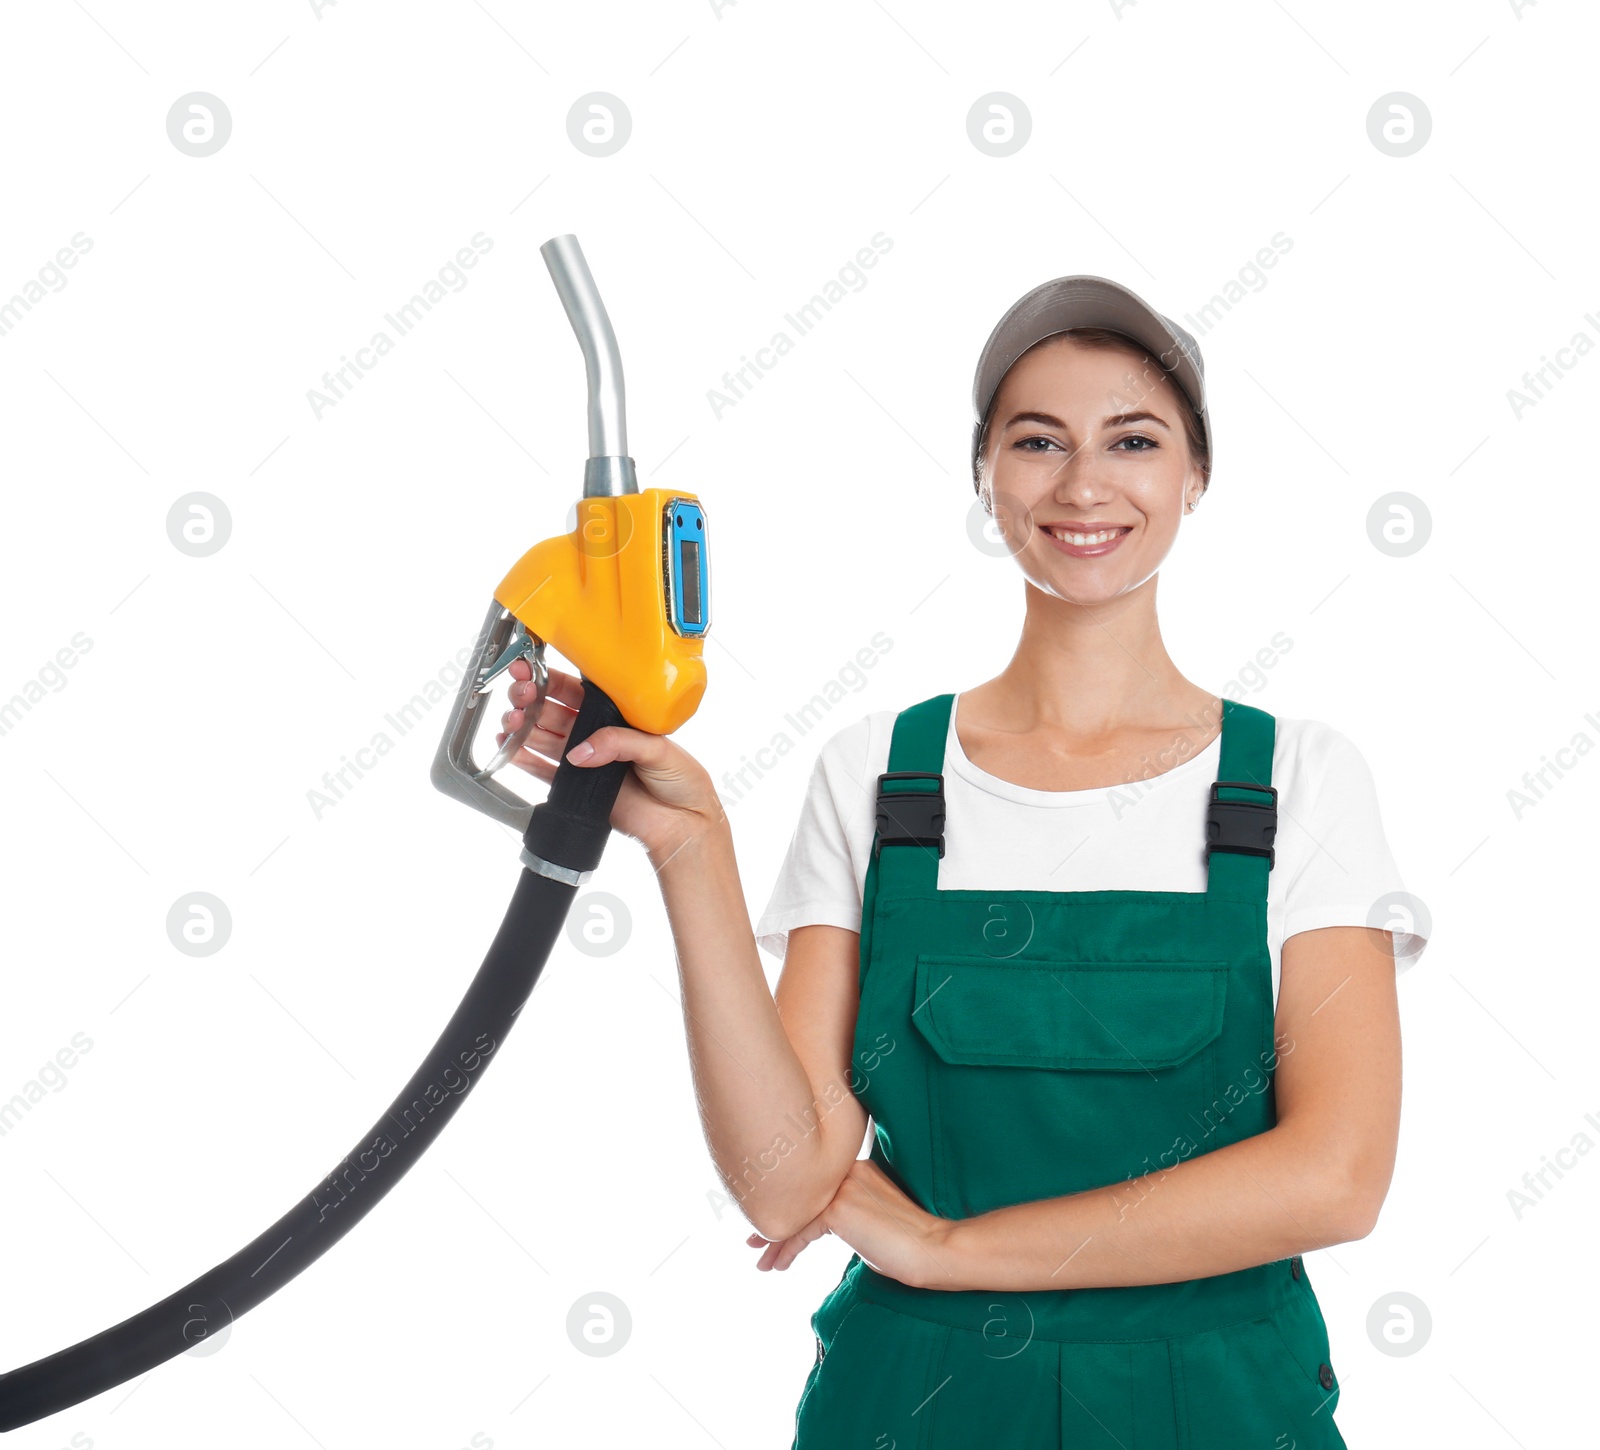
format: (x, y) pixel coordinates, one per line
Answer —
(689, 578)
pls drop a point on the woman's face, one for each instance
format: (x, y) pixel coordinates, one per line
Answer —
(1086, 441)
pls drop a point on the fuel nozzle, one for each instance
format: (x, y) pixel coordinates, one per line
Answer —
(625, 595)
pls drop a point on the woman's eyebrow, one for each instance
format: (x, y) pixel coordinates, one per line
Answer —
(1114, 420)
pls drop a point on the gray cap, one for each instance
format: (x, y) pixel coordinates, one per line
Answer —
(1084, 301)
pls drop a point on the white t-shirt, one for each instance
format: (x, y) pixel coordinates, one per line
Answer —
(1332, 867)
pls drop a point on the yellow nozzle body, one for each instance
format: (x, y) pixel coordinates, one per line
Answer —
(599, 597)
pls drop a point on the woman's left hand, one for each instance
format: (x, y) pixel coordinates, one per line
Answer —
(878, 1221)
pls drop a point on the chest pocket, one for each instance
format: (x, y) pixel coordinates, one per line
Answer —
(1049, 1076)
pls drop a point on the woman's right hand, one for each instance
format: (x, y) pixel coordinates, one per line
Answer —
(666, 798)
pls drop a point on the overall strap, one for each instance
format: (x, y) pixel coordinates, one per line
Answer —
(1242, 812)
(909, 839)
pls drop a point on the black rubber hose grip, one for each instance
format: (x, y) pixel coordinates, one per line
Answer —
(571, 825)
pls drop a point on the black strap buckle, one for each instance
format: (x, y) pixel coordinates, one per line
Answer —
(910, 817)
(1247, 827)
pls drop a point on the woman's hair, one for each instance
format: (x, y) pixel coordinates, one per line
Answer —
(1104, 337)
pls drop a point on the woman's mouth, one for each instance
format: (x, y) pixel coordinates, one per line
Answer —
(1084, 543)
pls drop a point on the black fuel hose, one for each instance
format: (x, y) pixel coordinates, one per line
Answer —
(569, 829)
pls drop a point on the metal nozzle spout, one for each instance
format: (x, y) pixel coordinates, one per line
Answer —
(610, 470)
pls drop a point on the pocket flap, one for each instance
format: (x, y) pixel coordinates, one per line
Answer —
(1021, 1012)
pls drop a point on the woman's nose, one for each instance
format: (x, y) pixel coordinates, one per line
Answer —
(1080, 479)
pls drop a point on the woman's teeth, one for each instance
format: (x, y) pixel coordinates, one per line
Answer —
(1104, 536)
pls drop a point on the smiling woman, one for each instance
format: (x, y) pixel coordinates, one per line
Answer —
(1074, 1025)
(1144, 1060)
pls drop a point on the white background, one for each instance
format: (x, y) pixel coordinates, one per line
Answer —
(1169, 143)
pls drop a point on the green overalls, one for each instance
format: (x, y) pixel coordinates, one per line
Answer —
(1019, 1045)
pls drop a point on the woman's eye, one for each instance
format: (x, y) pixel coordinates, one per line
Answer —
(1024, 442)
(1136, 438)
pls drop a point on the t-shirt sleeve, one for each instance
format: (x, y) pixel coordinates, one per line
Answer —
(1347, 874)
(818, 881)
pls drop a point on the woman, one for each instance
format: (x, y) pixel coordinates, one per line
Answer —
(1088, 942)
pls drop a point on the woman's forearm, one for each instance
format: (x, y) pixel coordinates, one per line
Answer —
(757, 1107)
(1252, 1202)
